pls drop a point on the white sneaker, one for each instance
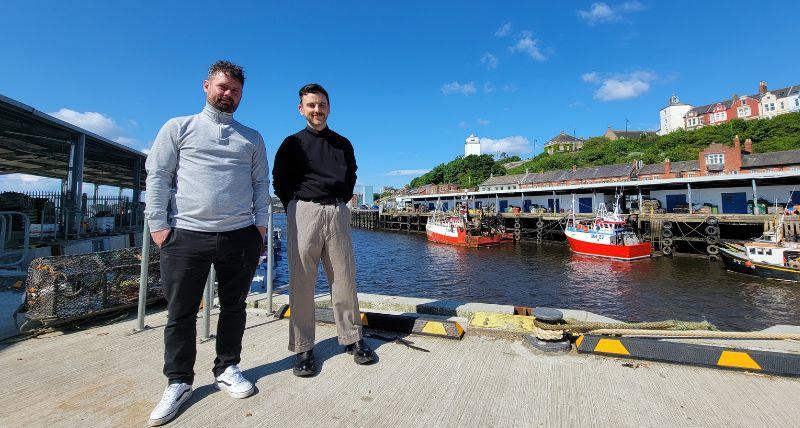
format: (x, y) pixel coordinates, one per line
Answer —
(232, 382)
(174, 396)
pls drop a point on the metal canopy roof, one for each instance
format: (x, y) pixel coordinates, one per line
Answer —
(33, 142)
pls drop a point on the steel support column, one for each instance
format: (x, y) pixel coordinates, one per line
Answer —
(75, 183)
(689, 197)
(755, 198)
(137, 191)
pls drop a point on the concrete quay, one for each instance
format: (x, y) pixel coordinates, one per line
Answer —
(105, 376)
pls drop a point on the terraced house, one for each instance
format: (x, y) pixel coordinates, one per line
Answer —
(763, 105)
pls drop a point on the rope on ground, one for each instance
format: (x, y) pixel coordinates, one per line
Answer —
(574, 326)
(699, 334)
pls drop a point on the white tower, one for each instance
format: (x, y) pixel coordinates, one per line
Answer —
(472, 146)
(671, 116)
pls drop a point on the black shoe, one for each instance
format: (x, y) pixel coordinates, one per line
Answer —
(361, 352)
(305, 365)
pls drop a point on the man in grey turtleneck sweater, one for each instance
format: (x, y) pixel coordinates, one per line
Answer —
(207, 202)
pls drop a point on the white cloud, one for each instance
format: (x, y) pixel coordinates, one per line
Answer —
(509, 88)
(127, 141)
(527, 44)
(621, 86)
(95, 122)
(459, 88)
(483, 122)
(575, 104)
(509, 145)
(98, 123)
(601, 13)
(463, 124)
(488, 88)
(593, 77)
(490, 60)
(504, 30)
(407, 172)
(25, 178)
(146, 151)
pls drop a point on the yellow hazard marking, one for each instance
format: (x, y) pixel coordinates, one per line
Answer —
(287, 313)
(611, 346)
(434, 327)
(579, 341)
(737, 359)
(364, 322)
(507, 322)
(459, 330)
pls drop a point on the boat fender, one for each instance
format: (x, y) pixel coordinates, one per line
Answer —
(748, 264)
(539, 223)
(666, 251)
(712, 230)
(666, 242)
(713, 257)
(711, 239)
(666, 233)
(667, 225)
(711, 221)
(712, 249)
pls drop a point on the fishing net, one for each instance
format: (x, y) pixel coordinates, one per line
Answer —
(65, 288)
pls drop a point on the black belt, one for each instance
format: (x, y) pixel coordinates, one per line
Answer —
(323, 201)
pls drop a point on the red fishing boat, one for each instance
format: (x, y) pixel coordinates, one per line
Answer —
(459, 229)
(608, 235)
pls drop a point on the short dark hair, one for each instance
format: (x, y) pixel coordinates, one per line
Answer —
(227, 67)
(314, 88)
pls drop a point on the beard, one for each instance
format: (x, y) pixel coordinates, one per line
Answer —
(223, 103)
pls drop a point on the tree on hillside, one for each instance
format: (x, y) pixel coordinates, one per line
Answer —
(466, 171)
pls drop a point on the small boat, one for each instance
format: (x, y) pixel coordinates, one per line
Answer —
(608, 235)
(259, 281)
(459, 229)
(769, 256)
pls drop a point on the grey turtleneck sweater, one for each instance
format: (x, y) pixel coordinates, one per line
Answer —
(207, 173)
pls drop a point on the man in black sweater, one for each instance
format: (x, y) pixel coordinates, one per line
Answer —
(314, 174)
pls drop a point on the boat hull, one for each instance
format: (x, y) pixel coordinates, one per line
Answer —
(469, 241)
(737, 262)
(619, 252)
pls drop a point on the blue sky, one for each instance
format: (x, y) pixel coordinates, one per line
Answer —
(408, 81)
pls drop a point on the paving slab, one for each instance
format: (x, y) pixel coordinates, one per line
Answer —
(102, 376)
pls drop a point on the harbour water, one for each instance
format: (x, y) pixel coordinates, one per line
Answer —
(527, 274)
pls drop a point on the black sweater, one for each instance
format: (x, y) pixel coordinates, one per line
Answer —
(314, 165)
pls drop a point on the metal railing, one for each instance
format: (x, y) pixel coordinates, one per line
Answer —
(208, 292)
(6, 223)
(48, 207)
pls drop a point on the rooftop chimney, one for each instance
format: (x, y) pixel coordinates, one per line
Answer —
(748, 145)
(762, 87)
(667, 168)
(737, 144)
(574, 167)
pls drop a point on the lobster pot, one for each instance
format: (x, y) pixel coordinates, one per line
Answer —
(71, 287)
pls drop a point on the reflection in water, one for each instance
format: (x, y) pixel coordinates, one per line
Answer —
(550, 275)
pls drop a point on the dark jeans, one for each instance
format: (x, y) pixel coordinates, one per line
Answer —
(186, 258)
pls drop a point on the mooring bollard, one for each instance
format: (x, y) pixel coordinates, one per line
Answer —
(208, 299)
(143, 275)
(270, 258)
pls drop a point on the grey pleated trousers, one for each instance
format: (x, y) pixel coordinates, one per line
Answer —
(320, 232)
